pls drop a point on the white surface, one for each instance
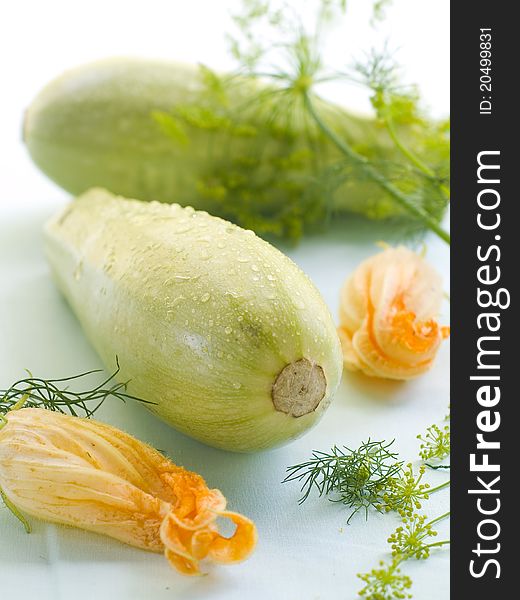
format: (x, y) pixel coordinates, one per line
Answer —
(304, 552)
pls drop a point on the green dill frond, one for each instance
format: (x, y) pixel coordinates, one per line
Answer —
(264, 144)
(379, 71)
(371, 476)
(357, 478)
(266, 180)
(271, 37)
(423, 144)
(55, 395)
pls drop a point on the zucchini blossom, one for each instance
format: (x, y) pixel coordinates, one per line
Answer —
(388, 316)
(84, 473)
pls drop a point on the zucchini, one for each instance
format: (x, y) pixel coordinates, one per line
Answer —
(225, 334)
(171, 132)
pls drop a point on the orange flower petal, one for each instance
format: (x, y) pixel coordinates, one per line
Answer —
(388, 313)
(87, 474)
(240, 545)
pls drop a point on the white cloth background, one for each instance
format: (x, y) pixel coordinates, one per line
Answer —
(305, 552)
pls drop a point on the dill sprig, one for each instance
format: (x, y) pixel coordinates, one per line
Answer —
(396, 106)
(369, 476)
(373, 476)
(296, 65)
(358, 478)
(280, 160)
(436, 443)
(386, 582)
(411, 538)
(405, 493)
(55, 394)
(415, 537)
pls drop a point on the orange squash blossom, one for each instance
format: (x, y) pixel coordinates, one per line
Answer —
(388, 316)
(90, 475)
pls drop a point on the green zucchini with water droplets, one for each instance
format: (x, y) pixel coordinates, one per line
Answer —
(227, 336)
